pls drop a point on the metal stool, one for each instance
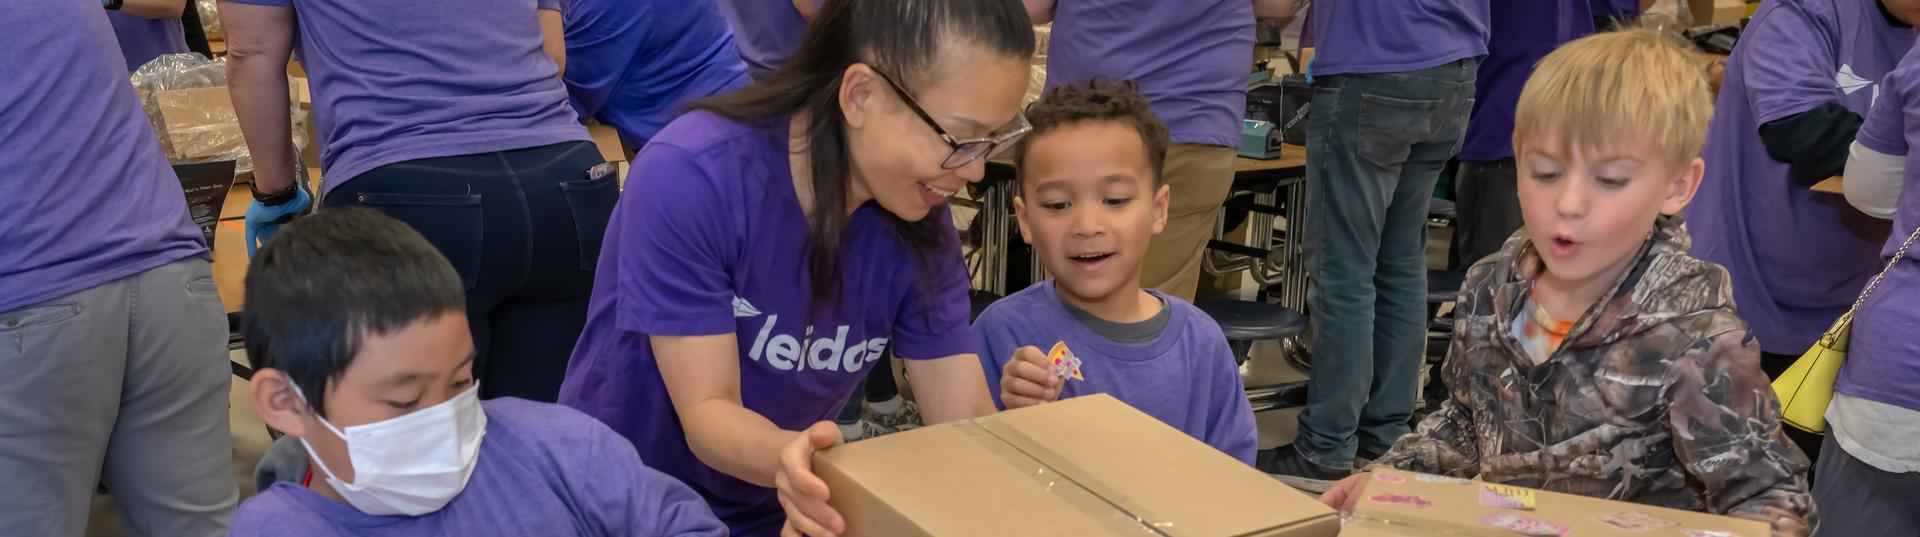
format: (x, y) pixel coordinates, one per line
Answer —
(1245, 322)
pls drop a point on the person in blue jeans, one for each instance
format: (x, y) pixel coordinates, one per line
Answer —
(448, 115)
(632, 64)
(1393, 83)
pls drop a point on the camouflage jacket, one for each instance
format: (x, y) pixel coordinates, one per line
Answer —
(1656, 396)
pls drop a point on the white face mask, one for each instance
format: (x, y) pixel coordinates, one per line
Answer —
(413, 464)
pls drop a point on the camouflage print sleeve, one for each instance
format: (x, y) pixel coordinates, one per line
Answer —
(1726, 431)
(1444, 443)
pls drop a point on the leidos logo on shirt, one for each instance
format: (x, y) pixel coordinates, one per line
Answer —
(787, 353)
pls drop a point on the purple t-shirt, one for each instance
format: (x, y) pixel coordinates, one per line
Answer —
(633, 63)
(1884, 362)
(544, 470)
(767, 32)
(142, 40)
(1389, 36)
(1186, 378)
(1797, 257)
(709, 239)
(1616, 8)
(85, 196)
(1524, 31)
(398, 81)
(1190, 58)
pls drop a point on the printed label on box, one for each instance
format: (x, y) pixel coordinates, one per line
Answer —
(1524, 524)
(1440, 479)
(1503, 496)
(1398, 499)
(1634, 521)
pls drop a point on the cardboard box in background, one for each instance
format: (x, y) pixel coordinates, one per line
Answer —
(1416, 505)
(198, 124)
(1084, 466)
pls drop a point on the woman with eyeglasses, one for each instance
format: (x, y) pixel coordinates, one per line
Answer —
(774, 242)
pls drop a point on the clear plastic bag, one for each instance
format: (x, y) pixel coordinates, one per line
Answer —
(210, 19)
(185, 97)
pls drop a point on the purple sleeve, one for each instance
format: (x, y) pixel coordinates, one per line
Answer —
(1230, 426)
(997, 343)
(555, 5)
(625, 498)
(1885, 129)
(1788, 64)
(674, 248)
(932, 322)
(286, 3)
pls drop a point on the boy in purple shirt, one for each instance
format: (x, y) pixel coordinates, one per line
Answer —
(1091, 198)
(357, 327)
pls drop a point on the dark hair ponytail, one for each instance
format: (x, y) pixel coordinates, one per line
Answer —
(900, 37)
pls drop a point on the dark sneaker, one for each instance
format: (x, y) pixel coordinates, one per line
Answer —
(862, 430)
(904, 415)
(1286, 464)
(1366, 456)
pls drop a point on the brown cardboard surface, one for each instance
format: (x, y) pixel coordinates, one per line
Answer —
(1454, 509)
(198, 123)
(1085, 466)
(1707, 12)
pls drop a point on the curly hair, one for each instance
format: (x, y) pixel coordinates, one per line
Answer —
(1099, 100)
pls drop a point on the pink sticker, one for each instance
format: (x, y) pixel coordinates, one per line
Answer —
(1415, 501)
(1711, 533)
(1634, 521)
(1530, 526)
(1388, 478)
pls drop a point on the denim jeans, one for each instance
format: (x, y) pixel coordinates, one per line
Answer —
(1375, 147)
(523, 230)
(1489, 207)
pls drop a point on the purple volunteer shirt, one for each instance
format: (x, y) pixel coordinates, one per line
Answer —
(1616, 8)
(1190, 58)
(142, 40)
(767, 32)
(1389, 36)
(1187, 378)
(1524, 31)
(85, 196)
(1797, 257)
(544, 470)
(1884, 359)
(399, 81)
(710, 239)
(633, 63)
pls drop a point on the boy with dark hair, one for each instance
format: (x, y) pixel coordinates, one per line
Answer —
(1592, 355)
(1091, 198)
(357, 328)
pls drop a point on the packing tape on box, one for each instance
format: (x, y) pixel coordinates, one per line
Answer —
(1071, 483)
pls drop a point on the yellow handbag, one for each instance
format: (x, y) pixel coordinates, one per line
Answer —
(1806, 388)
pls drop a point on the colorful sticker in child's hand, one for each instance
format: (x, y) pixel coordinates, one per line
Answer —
(1387, 478)
(1507, 497)
(1524, 524)
(1439, 479)
(1634, 521)
(1065, 364)
(1415, 501)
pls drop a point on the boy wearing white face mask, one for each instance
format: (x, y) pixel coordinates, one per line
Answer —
(356, 326)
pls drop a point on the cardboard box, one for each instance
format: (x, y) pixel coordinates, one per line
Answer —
(199, 124)
(1396, 503)
(1707, 12)
(1084, 466)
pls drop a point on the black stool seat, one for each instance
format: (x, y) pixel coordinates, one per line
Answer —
(1444, 285)
(1254, 321)
(1441, 209)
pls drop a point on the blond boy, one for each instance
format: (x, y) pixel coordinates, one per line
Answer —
(1591, 355)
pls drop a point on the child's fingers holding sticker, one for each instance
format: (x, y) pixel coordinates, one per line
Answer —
(1027, 381)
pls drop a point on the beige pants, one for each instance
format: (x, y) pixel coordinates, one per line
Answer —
(1200, 176)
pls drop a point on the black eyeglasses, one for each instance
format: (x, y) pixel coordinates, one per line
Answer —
(964, 151)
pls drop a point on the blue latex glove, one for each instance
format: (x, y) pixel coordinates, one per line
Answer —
(263, 221)
(1308, 68)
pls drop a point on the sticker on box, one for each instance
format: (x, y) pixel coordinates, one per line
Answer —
(1440, 479)
(1711, 533)
(1398, 499)
(1065, 364)
(1634, 521)
(1387, 478)
(1503, 496)
(1524, 524)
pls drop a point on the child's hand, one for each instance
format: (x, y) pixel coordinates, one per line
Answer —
(802, 494)
(1026, 380)
(1343, 495)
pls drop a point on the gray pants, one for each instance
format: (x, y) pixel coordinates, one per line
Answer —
(1858, 500)
(123, 384)
(1375, 146)
(1489, 210)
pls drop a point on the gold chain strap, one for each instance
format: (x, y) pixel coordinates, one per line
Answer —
(1874, 283)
